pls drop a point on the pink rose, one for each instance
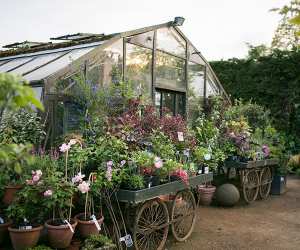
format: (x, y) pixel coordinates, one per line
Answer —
(48, 193)
(84, 187)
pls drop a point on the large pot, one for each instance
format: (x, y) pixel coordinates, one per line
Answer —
(206, 194)
(24, 238)
(4, 231)
(60, 236)
(85, 227)
(10, 193)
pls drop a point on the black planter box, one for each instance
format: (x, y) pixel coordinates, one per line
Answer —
(278, 184)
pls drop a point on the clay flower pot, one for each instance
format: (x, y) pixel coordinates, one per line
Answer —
(10, 193)
(59, 236)
(206, 194)
(4, 231)
(75, 245)
(85, 227)
(24, 238)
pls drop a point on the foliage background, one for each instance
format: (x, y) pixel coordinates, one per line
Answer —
(271, 80)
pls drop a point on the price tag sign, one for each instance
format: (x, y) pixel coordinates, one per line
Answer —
(70, 226)
(206, 170)
(180, 136)
(93, 217)
(128, 240)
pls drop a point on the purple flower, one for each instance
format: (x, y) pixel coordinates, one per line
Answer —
(78, 178)
(64, 147)
(108, 174)
(266, 150)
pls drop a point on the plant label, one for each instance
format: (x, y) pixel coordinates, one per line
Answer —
(93, 217)
(1, 220)
(128, 240)
(25, 227)
(180, 136)
(70, 226)
(206, 170)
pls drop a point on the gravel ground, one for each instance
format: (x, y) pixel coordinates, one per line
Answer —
(266, 224)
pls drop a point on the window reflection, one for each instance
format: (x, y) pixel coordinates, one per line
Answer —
(144, 39)
(138, 68)
(170, 72)
(170, 41)
(211, 87)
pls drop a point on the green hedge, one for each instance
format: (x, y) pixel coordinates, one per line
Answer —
(272, 81)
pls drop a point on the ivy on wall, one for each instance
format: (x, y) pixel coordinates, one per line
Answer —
(272, 81)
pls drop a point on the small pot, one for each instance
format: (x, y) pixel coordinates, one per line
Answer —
(10, 193)
(60, 236)
(4, 231)
(151, 180)
(206, 194)
(75, 245)
(24, 238)
(87, 228)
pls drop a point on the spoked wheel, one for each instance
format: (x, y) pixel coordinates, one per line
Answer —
(151, 226)
(265, 182)
(183, 215)
(250, 185)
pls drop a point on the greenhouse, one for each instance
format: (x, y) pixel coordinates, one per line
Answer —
(158, 60)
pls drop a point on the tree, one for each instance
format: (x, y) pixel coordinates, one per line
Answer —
(286, 36)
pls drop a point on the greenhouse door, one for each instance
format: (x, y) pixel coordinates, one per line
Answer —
(167, 101)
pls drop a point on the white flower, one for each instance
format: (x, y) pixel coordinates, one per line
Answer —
(64, 147)
(207, 157)
(84, 187)
(78, 178)
(158, 163)
(39, 173)
(72, 142)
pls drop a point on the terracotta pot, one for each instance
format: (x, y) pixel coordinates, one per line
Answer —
(206, 194)
(87, 228)
(60, 236)
(4, 231)
(24, 238)
(10, 193)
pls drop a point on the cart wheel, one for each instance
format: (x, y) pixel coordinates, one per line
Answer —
(183, 215)
(151, 226)
(265, 182)
(251, 186)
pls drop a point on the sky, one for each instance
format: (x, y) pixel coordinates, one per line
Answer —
(219, 29)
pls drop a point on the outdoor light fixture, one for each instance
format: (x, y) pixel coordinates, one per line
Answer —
(178, 21)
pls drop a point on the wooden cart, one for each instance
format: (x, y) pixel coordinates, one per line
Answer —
(255, 177)
(149, 217)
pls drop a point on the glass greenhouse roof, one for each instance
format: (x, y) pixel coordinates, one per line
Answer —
(39, 65)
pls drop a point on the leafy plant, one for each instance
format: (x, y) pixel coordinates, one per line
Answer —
(134, 182)
(40, 247)
(96, 241)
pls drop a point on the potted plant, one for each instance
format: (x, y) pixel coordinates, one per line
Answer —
(27, 213)
(88, 222)
(4, 224)
(14, 160)
(98, 242)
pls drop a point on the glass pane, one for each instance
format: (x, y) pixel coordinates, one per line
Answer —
(180, 102)
(105, 66)
(170, 41)
(38, 92)
(168, 102)
(157, 101)
(37, 62)
(4, 61)
(211, 87)
(14, 63)
(194, 56)
(56, 65)
(138, 68)
(144, 39)
(170, 72)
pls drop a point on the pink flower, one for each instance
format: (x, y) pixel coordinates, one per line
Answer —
(158, 163)
(182, 174)
(123, 163)
(109, 163)
(72, 142)
(38, 173)
(35, 178)
(48, 193)
(266, 150)
(64, 147)
(84, 187)
(78, 178)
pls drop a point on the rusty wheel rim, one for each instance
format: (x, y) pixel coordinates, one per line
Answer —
(151, 226)
(265, 182)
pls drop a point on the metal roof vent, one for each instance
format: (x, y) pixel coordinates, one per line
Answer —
(77, 36)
